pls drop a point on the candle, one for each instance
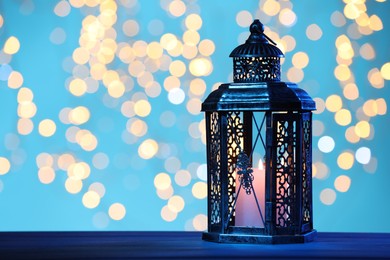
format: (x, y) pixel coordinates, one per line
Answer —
(247, 212)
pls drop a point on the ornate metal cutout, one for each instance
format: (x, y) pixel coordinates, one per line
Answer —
(285, 171)
(256, 69)
(306, 169)
(215, 169)
(235, 131)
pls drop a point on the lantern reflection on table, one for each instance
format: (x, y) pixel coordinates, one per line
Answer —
(258, 115)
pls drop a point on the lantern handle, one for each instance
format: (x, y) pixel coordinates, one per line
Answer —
(257, 33)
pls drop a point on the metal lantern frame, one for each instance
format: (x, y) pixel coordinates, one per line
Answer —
(257, 111)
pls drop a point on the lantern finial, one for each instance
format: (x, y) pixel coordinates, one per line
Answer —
(258, 59)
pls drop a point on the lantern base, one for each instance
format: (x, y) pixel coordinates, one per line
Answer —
(259, 239)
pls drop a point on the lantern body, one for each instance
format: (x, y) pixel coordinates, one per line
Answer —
(258, 116)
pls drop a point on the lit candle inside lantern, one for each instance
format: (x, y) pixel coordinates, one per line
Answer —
(247, 212)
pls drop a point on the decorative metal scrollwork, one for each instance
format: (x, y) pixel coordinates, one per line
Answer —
(245, 172)
(285, 172)
(306, 170)
(215, 176)
(235, 133)
(256, 69)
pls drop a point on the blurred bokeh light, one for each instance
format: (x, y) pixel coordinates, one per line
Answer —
(100, 101)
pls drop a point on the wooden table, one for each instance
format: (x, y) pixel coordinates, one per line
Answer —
(183, 245)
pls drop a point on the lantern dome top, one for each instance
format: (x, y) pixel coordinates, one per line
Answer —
(257, 45)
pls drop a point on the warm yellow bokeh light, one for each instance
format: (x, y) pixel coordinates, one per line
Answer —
(168, 41)
(189, 51)
(198, 86)
(370, 108)
(25, 126)
(382, 106)
(73, 185)
(376, 77)
(351, 91)
(46, 175)
(177, 68)
(167, 214)
(5, 165)
(362, 129)
(79, 115)
(81, 55)
(300, 60)
(199, 190)
(351, 11)
(342, 183)
(15, 80)
(116, 89)
(77, 87)
(200, 222)
(65, 160)
(88, 142)
(177, 8)
(91, 199)
(11, 45)
(137, 127)
(139, 48)
(193, 22)
(333, 103)
(385, 71)
(351, 135)
(136, 68)
(342, 72)
(171, 82)
(191, 37)
(176, 203)
(343, 117)
(345, 160)
(162, 181)
(47, 127)
(25, 95)
(206, 47)
(200, 67)
(97, 71)
(27, 109)
(154, 50)
(148, 149)
(166, 193)
(375, 23)
(142, 108)
(287, 17)
(271, 7)
(117, 211)
(80, 170)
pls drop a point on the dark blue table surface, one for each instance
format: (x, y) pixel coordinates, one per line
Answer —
(183, 245)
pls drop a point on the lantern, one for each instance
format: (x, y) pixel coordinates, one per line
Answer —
(259, 151)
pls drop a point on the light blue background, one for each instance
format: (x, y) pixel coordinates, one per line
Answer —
(27, 204)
